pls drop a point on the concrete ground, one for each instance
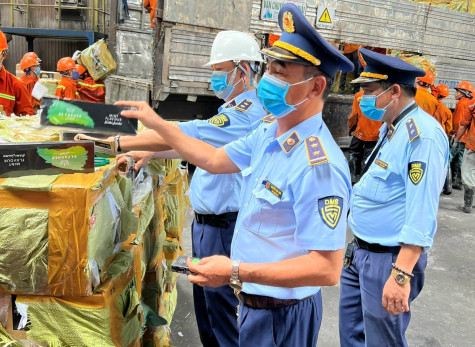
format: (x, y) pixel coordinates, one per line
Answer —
(442, 315)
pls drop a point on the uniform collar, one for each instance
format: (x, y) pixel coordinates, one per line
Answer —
(250, 94)
(66, 81)
(296, 136)
(389, 132)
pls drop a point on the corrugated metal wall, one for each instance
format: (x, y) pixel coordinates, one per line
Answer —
(49, 50)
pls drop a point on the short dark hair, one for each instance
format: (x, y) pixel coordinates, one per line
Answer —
(407, 90)
(313, 71)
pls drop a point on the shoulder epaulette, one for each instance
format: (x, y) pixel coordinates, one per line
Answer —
(269, 118)
(244, 105)
(412, 129)
(315, 151)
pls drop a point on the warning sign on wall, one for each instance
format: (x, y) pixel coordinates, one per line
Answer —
(325, 17)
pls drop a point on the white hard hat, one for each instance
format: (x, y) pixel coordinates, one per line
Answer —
(234, 46)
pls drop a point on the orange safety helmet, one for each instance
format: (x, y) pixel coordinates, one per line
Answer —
(442, 90)
(32, 55)
(3, 42)
(28, 62)
(80, 69)
(65, 64)
(464, 85)
(428, 78)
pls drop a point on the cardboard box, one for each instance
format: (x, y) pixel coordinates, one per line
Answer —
(46, 158)
(86, 115)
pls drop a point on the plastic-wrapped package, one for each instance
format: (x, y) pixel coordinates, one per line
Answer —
(98, 60)
(112, 316)
(26, 129)
(71, 230)
(420, 61)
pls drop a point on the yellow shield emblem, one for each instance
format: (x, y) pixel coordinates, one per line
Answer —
(416, 171)
(220, 120)
(330, 210)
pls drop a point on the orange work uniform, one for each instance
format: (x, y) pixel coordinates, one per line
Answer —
(13, 95)
(29, 82)
(468, 121)
(151, 7)
(67, 88)
(366, 129)
(426, 101)
(444, 117)
(461, 112)
(92, 91)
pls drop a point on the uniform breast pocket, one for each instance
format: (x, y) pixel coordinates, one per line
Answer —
(263, 213)
(375, 185)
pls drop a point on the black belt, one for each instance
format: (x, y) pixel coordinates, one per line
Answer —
(261, 302)
(376, 248)
(216, 220)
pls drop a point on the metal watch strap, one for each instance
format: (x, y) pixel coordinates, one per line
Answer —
(235, 270)
(117, 140)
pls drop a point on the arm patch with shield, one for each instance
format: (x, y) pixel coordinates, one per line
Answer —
(416, 171)
(330, 209)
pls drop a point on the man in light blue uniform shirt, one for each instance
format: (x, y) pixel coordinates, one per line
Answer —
(215, 198)
(290, 232)
(393, 208)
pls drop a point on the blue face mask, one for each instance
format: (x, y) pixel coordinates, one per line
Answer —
(38, 71)
(75, 75)
(368, 106)
(220, 85)
(271, 92)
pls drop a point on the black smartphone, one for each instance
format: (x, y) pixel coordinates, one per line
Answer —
(179, 265)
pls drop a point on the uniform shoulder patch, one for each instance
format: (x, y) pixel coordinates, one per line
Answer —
(330, 209)
(231, 104)
(220, 120)
(416, 171)
(290, 142)
(244, 105)
(269, 118)
(412, 129)
(315, 151)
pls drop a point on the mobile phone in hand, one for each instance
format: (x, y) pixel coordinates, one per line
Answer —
(179, 265)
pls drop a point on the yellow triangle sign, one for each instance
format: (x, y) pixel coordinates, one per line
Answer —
(325, 17)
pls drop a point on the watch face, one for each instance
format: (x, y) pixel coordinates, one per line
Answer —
(400, 278)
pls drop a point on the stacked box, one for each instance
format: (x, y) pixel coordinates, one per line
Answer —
(112, 316)
(73, 223)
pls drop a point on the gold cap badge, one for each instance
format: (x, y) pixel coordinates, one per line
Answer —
(288, 22)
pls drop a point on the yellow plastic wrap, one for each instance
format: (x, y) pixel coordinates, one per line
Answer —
(110, 317)
(420, 61)
(71, 205)
(25, 129)
(460, 6)
(98, 60)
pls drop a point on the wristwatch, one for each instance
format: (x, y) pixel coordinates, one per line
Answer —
(117, 142)
(400, 277)
(234, 282)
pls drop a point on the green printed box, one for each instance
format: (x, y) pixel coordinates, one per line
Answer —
(46, 158)
(86, 115)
